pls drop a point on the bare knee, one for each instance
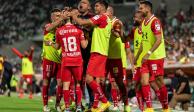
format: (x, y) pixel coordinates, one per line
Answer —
(89, 78)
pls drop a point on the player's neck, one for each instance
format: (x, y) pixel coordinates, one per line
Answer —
(68, 23)
(149, 16)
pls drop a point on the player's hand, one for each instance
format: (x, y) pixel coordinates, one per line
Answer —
(133, 68)
(116, 33)
(32, 47)
(74, 13)
(48, 43)
(65, 14)
(146, 57)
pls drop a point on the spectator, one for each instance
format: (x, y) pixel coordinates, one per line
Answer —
(182, 92)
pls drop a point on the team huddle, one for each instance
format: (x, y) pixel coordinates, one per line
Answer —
(82, 50)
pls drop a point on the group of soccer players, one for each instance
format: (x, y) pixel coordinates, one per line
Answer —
(68, 33)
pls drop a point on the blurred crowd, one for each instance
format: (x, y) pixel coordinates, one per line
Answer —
(179, 32)
(23, 18)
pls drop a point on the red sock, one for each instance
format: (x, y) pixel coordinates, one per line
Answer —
(97, 89)
(164, 97)
(123, 93)
(79, 95)
(66, 95)
(45, 95)
(58, 94)
(157, 92)
(114, 97)
(72, 92)
(147, 95)
(140, 99)
(96, 100)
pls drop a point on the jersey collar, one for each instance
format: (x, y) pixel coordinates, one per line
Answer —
(146, 22)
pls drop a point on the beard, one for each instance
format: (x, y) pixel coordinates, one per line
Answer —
(145, 14)
(136, 23)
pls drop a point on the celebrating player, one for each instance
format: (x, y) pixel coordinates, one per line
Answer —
(99, 49)
(153, 51)
(51, 61)
(117, 61)
(69, 37)
(27, 70)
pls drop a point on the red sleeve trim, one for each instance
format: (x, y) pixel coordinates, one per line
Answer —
(156, 26)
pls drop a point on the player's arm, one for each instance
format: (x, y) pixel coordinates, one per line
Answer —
(31, 52)
(54, 45)
(130, 56)
(17, 53)
(138, 53)
(83, 40)
(82, 21)
(57, 23)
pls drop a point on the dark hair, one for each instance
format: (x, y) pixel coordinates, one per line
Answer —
(146, 2)
(103, 2)
(55, 10)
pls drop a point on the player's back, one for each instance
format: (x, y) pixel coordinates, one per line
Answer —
(69, 36)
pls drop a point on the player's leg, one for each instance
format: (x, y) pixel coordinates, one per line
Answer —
(146, 86)
(72, 89)
(66, 79)
(117, 72)
(77, 73)
(47, 71)
(21, 90)
(59, 89)
(96, 68)
(139, 95)
(114, 87)
(158, 67)
(30, 85)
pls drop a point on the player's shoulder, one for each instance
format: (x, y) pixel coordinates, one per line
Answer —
(47, 25)
(156, 20)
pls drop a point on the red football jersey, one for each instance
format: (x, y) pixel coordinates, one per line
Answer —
(70, 37)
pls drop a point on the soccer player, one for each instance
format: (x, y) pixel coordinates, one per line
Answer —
(99, 48)
(117, 61)
(51, 60)
(136, 36)
(69, 37)
(27, 70)
(153, 51)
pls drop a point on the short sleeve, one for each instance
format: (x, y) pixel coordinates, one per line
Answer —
(131, 34)
(96, 19)
(47, 25)
(156, 26)
(127, 45)
(100, 20)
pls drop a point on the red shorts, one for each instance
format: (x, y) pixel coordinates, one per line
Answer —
(68, 71)
(28, 78)
(154, 68)
(137, 75)
(97, 65)
(51, 69)
(115, 68)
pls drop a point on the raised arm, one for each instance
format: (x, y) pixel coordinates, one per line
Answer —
(17, 53)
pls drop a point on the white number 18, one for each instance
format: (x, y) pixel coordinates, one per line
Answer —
(70, 44)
